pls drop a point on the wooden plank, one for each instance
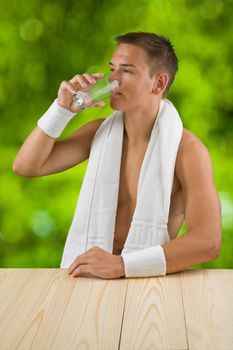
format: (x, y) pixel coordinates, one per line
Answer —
(154, 315)
(47, 309)
(94, 315)
(208, 305)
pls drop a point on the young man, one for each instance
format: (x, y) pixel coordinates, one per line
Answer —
(144, 64)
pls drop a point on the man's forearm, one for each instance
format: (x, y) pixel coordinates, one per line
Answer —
(188, 250)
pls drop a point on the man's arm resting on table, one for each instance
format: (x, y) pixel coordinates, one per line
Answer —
(202, 241)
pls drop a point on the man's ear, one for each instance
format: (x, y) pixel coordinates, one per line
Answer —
(160, 83)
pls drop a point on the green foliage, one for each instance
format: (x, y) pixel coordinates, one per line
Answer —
(45, 42)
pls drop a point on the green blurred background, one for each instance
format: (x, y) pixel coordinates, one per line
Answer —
(45, 42)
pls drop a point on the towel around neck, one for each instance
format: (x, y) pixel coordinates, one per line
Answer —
(94, 219)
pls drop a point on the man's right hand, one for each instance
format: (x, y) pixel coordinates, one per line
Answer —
(69, 88)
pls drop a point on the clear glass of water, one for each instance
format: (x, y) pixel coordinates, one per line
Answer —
(95, 93)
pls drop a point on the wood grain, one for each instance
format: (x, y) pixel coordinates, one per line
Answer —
(208, 304)
(47, 309)
(154, 315)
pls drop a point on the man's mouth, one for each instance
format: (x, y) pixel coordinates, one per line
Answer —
(116, 92)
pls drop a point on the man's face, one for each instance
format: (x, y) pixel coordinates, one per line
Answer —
(129, 66)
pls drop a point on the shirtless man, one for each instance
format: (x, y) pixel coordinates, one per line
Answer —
(194, 198)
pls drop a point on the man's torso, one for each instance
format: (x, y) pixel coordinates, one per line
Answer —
(129, 175)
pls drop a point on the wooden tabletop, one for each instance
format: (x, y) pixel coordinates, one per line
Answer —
(48, 309)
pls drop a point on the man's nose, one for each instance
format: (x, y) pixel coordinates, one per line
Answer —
(114, 76)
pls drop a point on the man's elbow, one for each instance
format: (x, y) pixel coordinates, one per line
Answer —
(21, 171)
(215, 249)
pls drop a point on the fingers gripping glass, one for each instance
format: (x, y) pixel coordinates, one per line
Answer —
(94, 93)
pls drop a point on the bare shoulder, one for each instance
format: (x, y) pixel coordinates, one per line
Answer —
(193, 158)
(97, 122)
(86, 131)
(191, 145)
(189, 138)
(94, 125)
(91, 126)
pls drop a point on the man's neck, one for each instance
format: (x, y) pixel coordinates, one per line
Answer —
(138, 125)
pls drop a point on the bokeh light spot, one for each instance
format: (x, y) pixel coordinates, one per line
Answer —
(31, 30)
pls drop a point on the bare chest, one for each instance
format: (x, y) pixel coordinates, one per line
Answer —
(129, 175)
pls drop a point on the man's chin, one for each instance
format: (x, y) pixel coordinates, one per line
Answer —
(115, 105)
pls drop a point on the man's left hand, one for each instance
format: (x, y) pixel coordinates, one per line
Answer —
(98, 262)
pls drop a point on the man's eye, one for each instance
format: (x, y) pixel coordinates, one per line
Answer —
(124, 70)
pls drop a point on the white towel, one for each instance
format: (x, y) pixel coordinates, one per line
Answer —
(95, 214)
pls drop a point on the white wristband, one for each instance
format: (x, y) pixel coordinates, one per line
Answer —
(54, 121)
(145, 262)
